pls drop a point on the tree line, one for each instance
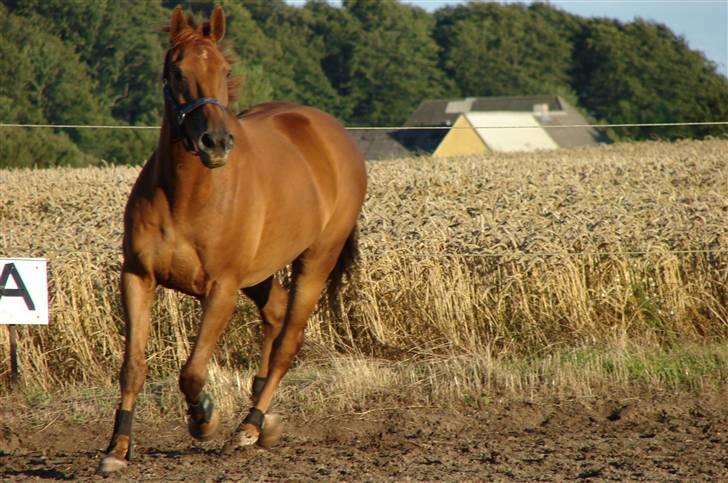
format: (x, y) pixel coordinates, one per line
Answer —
(368, 62)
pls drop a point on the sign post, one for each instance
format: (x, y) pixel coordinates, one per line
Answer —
(13, 354)
(23, 300)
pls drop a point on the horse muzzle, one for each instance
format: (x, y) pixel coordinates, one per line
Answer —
(214, 147)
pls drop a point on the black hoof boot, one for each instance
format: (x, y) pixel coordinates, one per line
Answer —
(121, 447)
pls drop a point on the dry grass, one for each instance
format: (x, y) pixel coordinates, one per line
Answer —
(568, 271)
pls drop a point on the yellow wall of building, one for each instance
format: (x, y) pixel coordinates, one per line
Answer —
(462, 140)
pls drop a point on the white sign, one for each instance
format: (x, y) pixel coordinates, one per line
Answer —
(23, 291)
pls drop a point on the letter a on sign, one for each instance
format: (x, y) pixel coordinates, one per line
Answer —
(23, 291)
(10, 271)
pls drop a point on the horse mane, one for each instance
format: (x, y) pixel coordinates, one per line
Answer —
(196, 32)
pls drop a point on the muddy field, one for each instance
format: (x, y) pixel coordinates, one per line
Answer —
(634, 438)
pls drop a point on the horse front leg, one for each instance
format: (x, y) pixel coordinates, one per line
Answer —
(203, 417)
(137, 296)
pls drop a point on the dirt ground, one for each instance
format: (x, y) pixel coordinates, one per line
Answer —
(665, 438)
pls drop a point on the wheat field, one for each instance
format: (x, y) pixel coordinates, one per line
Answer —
(570, 270)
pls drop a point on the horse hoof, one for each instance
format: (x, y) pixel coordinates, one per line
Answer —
(248, 435)
(272, 430)
(206, 430)
(110, 464)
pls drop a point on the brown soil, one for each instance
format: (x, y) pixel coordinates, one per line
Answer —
(677, 437)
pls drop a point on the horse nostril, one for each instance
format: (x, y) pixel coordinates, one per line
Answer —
(229, 142)
(206, 141)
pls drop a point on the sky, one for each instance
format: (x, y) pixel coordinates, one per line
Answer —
(703, 23)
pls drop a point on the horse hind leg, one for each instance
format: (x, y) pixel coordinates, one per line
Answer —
(311, 273)
(272, 300)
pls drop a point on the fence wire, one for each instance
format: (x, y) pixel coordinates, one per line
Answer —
(416, 254)
(397, 128)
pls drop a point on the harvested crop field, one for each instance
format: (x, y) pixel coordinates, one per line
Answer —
(553, 315)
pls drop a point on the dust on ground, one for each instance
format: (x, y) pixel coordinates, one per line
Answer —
(657, 437)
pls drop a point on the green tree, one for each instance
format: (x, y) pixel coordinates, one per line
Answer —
(641, 72)
(393, 64)
(120, 42)
(293, 55)
(119, 45)
(339, 31)
(499, 50)
(41, 81)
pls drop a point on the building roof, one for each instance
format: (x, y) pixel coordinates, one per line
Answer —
(556, 113)
(524, 133)
(546, 110)
(378, 144)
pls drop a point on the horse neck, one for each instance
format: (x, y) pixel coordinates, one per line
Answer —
(180, 173)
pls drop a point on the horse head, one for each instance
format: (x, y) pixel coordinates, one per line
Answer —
(197, 86)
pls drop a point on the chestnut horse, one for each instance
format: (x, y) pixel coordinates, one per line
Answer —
(223, 204)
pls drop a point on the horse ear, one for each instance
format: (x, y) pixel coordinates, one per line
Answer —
(217, 24)
(177, 23)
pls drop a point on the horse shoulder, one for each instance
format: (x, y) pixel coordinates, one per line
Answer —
(146, 221)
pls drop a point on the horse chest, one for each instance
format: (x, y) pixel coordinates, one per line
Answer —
(179, 265)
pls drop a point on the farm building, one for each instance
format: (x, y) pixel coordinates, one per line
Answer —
(379, 144)
(480, 125)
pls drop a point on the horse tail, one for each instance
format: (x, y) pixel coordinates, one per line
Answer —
(344, 267)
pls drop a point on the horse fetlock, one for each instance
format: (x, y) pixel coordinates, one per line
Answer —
(120, 447)
(121, 440)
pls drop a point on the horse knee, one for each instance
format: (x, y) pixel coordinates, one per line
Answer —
(133, 373)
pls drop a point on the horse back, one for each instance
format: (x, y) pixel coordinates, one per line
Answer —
(293, 133)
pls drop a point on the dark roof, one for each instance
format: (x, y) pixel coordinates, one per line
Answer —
(519, 103)
(378, 144)
(569, 137)
(431, 113)
(436, 113)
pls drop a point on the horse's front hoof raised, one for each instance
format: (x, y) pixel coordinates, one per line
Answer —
(204, 430)
(110, 464)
